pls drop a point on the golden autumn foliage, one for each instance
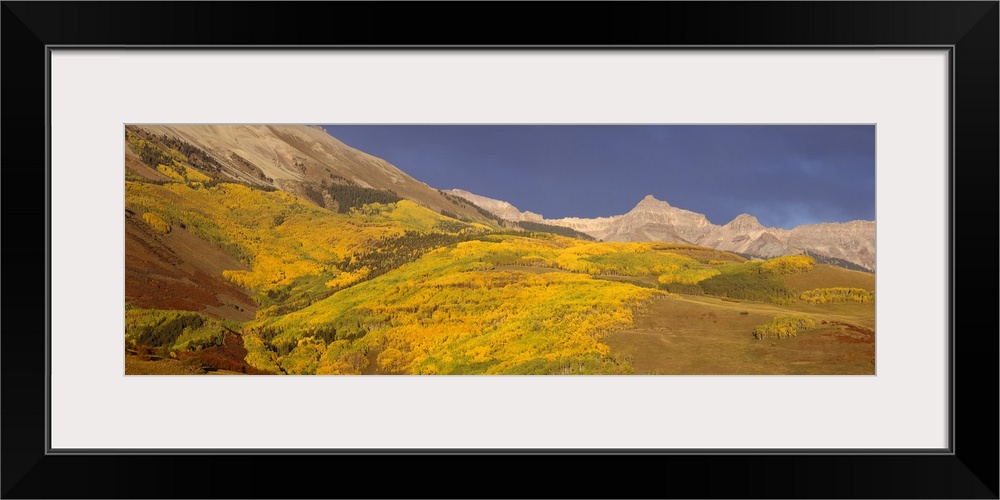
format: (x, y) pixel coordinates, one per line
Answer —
(194, 175)
(258, 355)
(444, 314)
(783, 326)
(293, 248)
(173, 330)
(345, 279)
(626, 259)
(343, 360)
(690, 276)
(170, 172)
(392, 360)
(305, 357)
(605, 259)
(398, 288)
(459, 307)
(789, 264)
(837, 295)
(384, 290)
(156, 222)
(391, 286)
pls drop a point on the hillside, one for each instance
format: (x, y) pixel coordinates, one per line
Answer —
(700, 333)
(178, 270)
(236, 265)
(302, 160)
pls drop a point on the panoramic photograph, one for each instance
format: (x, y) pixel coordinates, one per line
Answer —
(282, 249)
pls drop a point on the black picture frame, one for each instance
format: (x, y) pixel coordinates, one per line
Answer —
(969, 29)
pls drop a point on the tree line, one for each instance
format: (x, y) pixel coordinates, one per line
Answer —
(349, 196)
(783, 327)
(837, 294)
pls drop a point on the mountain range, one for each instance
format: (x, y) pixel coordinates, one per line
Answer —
(310, 163)
(651, 219)
(280, 249)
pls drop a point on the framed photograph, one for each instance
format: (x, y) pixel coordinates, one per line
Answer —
(286, 249)
(719, 250)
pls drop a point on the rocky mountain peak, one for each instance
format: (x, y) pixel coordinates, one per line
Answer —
(745, 222)
(651, 203)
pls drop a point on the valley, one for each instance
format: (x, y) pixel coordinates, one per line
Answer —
(281, 250)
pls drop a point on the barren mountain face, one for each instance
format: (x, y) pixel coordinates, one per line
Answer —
(656, 220)
(303, 160)
(501, 209)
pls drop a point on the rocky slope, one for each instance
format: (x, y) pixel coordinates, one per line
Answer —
(650, 220)
(656, 220)
(301, 160)
(500, 208)
(180, 271)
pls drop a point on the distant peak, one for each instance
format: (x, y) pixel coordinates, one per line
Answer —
(745, 221)
(651, 201)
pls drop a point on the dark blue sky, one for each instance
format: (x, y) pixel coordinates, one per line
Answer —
(785, 175)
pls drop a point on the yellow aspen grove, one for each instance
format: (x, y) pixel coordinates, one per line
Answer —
(789, 264)
(156, 222)
(783, 326)
(837, 294)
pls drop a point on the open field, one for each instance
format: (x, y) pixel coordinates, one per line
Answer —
(686, 334)
(825, 275)
(706, 335)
